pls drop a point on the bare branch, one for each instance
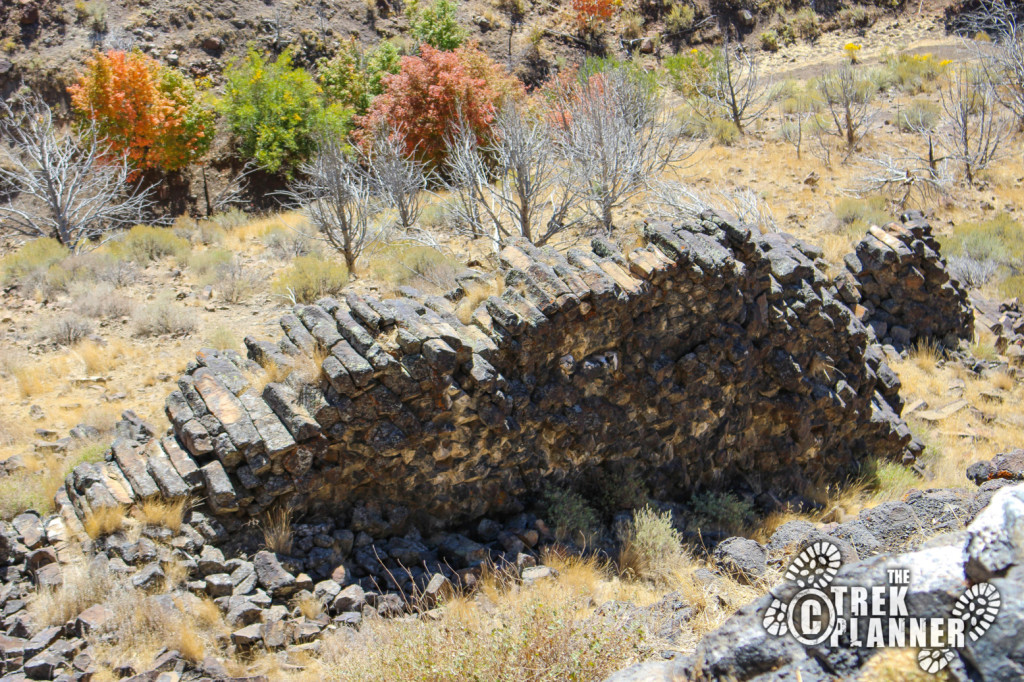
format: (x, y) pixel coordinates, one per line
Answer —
(395, 175)
(675, 201)
(337, 197)
(1002, 55)
(848, 112)
(974, 129)
(60, 185)
(737, 90)
(615, 134)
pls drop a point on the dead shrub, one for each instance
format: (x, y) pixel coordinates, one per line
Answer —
(66, 330)
(164, 318)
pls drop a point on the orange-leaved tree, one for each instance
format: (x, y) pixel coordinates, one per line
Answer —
(431, 92)
(148, 111)
(589, 13)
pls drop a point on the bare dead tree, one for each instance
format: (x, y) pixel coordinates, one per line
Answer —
(907, 180)
(737, 90)
(1002, 56)
(529, 174)
(63, 185)
(675, 201)
(512, 182)
(792, 129)
(467, 180)
(336, 195)
(847, 101)
(397, 177)
(975, 128)
(615, 134)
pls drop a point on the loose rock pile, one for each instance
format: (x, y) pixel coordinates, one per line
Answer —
(1009, 331)
(898, 284)
(886, 537)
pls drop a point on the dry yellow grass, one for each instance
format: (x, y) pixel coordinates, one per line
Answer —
(100, 359)
(146, 627)
(104, 521)
(276, 525)
(309, 606)
(32, 380)
(160, 512)
(82, 587)
(310, 367)
(476, 293)
(244, 236)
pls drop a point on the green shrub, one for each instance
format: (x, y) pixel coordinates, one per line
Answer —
(689, 72)
(145, 243)
(883, 79)
(679, 19)
(855, 17)
(570, 516)
(724, 132)
(632, 26)
(723, 510)
(352, 78)
(231, 219)
(618, 491)
(1012, 287)
(437, 25)
(275, 112)
(204, 263)
(33, 258)
(651, 546)
(413, 265)
(1000, 239)
(311, 278)
(222, 338)
(857, 215)
(892, 480)
(806, 24)
(915, 72)
(921, 114)
(770, 40)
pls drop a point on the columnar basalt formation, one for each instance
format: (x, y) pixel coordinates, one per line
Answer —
(712, 356)
(898, 283)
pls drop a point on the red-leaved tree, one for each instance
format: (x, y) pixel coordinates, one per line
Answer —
(143, 109)
(431, 92)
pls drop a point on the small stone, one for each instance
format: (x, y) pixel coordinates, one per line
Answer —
(743, 559)
(351, 598)
(248, 636)
(272, 576)
(219, 585)
(150, 577)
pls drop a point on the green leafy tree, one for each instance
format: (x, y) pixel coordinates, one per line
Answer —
(437, 25)
(354, 77)
(276, 112)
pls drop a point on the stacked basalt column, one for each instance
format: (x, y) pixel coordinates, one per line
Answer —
(898, 284)
(711, 357)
